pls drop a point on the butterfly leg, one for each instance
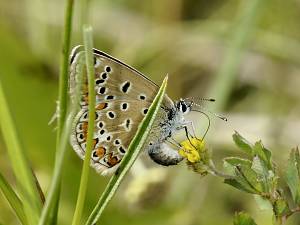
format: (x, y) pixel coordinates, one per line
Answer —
(173, 142)
(191, 124)
(187, 134)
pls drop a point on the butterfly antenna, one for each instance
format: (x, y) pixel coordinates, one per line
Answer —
(201, 99)
(215, 114)
(203, 111)
(208, 119)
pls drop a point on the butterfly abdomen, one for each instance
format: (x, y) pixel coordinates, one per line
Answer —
(163, 154)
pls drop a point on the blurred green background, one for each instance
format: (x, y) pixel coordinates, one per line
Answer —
(246, 54)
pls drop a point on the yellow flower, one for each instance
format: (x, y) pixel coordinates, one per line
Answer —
(191, 149)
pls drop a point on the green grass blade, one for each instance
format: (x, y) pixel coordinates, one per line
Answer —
(134, 149)
(63, 94)
(13, 199)
(88, 45)
(25, 180)
(64, 69)
(55, 183)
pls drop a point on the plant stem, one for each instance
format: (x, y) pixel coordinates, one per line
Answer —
(88, 45)
(55, 183)
(292, 212)
(62, 100)
(84, 5)
(64, 67)
(213, 170)
(136, 145)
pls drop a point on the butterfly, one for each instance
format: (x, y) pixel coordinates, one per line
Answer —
(123, 96)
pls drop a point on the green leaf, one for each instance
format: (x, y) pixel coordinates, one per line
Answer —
(259, 167)
(264, 175)
(246, 176)
(230, 163)
(236, 161)
(243, 218)
(134, 149)
(263, 203)
(13, 199)
(242, 143)
(263, 153)
(229, 168)
(281, 208)
(292, 175)
(234, 183)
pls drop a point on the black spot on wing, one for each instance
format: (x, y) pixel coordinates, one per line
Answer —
(125, 86)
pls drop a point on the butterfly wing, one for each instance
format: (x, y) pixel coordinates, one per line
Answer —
(123, 96)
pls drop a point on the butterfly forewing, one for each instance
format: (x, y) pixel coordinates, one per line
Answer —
(123, 96)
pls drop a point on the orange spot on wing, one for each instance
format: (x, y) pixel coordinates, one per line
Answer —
(84, 129)
(100, 151)
(85, 98)
(85, 126)
(95, 141)
(101, 106)
(112, 160)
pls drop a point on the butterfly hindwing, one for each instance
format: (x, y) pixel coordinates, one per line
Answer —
(123, 96)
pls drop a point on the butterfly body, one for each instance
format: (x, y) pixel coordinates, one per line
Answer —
(173, 121)
(123, 96)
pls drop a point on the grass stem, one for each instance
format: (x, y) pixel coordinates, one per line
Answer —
(136, 145)
(88, 45)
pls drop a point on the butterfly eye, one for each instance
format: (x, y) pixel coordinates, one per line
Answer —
(183, 107)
